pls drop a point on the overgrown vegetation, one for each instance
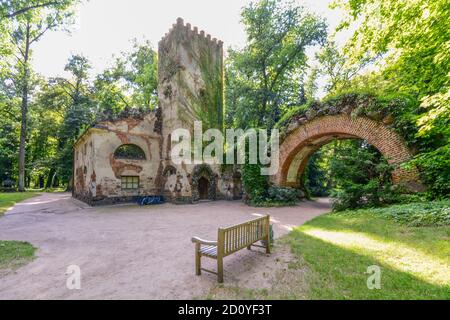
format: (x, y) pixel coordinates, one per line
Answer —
(418, 214)
(259, 193)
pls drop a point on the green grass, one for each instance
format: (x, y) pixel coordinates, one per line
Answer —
(331, 255)
(7, 200)
(14, 254)
(338, 248)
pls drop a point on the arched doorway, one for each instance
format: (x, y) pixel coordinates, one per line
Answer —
(203, 187)
(301, 143)
(204, 183)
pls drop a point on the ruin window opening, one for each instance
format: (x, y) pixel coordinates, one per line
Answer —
(129, 152)
(130, 182)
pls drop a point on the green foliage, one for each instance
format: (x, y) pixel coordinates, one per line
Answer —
(354, 173)
(129, 151)
(260, 194)
(361, 176)
(420, 214)
(283, 195)
(409, 39)
(60, 109)
(357, 103)
(130, 83)
(316, 177)
(266, 77)
(435, 168)
(255, 185)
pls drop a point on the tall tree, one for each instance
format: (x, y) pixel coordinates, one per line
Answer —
(28, 27)
(411, 39)
(269, 71)
(336, 69)
(78, 113)
(131, 82)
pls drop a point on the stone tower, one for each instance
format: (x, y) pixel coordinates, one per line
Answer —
(190, 87)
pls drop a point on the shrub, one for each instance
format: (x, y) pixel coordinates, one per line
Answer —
(255, 185)
(283, 194)
(435, 169)
(260, 194)
(420, 214)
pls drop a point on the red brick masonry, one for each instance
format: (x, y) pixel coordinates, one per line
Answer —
(307, 138)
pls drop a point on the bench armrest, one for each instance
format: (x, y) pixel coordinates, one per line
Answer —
(205, 242)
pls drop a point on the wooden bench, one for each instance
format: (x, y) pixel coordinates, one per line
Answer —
(230, 240)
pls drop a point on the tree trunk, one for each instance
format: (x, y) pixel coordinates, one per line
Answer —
(41, 182)
(24, 109)
(51, 173)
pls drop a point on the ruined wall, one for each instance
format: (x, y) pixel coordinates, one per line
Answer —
(303, 141)
(101, 182)
(190, 88)
(83, 168)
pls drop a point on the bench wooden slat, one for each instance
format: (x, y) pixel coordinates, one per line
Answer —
(232, 239)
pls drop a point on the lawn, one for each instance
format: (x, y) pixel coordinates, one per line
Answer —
(338, 248)
(332, 253)
(14, 254)
(8, 200)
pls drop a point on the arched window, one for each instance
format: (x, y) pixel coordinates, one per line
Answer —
(129, 152)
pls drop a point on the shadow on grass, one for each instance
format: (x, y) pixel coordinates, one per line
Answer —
(433, 241)
(339, 272)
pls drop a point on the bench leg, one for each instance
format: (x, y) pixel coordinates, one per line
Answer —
(198, 260)
(249, 247)
(220, 269)
(268, 244)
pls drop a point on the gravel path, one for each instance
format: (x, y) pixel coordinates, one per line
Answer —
(128, 251)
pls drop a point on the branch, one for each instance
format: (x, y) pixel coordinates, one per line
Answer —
(23, 10)
(284, 66)
(49, 26)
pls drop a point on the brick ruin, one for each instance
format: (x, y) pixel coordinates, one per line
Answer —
(190, 87)
(306, 138)
(120, 160)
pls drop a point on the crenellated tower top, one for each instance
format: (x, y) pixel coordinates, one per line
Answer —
(192, 32)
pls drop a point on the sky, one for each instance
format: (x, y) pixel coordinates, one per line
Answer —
(104, 28)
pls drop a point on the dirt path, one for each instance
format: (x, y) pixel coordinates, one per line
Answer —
(130, 252)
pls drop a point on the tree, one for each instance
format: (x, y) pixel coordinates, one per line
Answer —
(78, 113)
(268, 73)
(28, 26)
(411, 41)
(131, 81)
(335, 67)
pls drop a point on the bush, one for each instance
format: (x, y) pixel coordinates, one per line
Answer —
(283, 195)
(421, 214)
(255, 185)
(435, 169)
(260, 194)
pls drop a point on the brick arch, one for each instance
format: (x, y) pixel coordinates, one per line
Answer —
(300, 144)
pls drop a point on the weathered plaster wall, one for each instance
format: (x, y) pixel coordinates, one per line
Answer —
(190, 88)
(84, 167)
(104, 171)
